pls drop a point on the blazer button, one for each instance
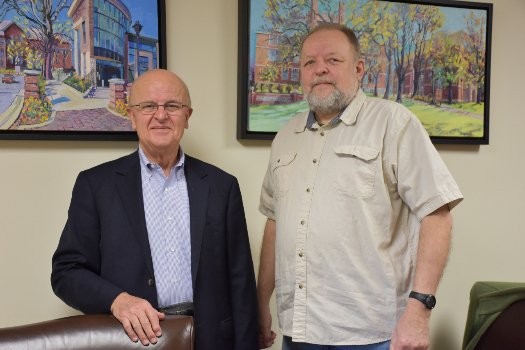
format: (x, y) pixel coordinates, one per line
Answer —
(151, 282)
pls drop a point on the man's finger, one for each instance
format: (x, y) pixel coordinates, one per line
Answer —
(129, 330)
(148, 329)
(137, 327)
(154, 318)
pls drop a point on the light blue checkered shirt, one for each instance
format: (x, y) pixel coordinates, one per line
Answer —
(167, 209)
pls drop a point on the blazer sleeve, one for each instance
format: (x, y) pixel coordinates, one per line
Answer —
(242, 278)
(75, 276)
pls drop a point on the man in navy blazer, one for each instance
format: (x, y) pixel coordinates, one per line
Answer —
(104, 262)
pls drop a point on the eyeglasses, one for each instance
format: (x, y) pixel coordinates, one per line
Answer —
(152, 107)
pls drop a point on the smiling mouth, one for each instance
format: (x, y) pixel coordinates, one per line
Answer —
(159, 128)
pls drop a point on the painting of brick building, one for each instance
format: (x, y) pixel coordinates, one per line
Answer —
(433, 59)
(66, 65)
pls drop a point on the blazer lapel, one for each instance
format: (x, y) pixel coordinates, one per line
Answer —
(129, 187)
(198, 189)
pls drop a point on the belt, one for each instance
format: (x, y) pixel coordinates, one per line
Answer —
(185, 308)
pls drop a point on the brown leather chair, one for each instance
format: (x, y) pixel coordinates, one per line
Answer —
(93, 332)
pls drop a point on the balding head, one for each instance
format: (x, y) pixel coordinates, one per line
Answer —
(153, 76)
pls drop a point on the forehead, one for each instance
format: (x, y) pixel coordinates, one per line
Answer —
(160, 87)
(329, 41)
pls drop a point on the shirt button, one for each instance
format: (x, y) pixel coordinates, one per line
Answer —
(322, 133)
(302, 222)
(300, 286)
(151, 282)
(301, 254)
(315, 161)
(308, 190)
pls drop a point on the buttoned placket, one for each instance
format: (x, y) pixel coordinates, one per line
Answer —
(163, 185)
(301, 253)
(167, 207)
(172, 229)
(167, 186)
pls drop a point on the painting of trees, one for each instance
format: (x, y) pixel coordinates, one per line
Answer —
(16, 49)
(428, 19)
(449, 63)
(287, 19)
(377, 30)
(474, 45)
(40, 18)
(423, 55)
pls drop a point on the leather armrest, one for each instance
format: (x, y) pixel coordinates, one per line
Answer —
(93, 332)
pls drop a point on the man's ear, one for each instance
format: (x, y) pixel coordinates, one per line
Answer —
(360, 68)
(132, 119)
(190, 111)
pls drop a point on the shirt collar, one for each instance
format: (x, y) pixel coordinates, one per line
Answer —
(311, 122)
(147, 165)
(348, 116)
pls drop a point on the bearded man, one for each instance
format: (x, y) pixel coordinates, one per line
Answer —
(358, 202)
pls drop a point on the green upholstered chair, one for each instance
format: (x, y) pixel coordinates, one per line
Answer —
(496, 316)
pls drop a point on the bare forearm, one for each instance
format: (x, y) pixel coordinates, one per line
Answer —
(433, 250)
(412, 330)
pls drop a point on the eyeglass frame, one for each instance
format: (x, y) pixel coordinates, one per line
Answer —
(141, 109)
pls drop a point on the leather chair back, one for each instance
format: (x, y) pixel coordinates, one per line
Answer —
(85, 332)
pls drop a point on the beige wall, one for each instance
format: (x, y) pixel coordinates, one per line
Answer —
(36, 177)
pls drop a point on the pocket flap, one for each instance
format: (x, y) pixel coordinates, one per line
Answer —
(361, 152)
(283, 159)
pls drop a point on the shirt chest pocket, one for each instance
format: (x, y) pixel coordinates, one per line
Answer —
(282, 167)
(356, 170)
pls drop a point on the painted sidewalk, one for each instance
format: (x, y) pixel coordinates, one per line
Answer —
(72, 111)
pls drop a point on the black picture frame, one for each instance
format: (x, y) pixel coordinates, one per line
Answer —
(466, 85)
(143, 17)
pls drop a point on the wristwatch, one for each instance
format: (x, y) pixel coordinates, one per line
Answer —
(427, 299)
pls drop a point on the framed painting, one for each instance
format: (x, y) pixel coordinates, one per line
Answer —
(66, 68)
(432, 56)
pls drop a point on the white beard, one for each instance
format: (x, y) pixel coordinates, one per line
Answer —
(335, 102)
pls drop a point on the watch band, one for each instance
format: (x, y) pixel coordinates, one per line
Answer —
(427, 299)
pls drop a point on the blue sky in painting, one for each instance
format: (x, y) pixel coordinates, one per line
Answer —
(145, 11)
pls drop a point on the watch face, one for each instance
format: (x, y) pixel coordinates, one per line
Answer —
(430, 301)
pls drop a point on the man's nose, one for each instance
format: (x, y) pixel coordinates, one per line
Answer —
(321, 68)
(161, 112)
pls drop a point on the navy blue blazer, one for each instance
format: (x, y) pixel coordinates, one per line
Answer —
(104, 250)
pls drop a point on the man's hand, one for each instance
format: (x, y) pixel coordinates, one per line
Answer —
(412, 329)
(266, 335)
(139, 319)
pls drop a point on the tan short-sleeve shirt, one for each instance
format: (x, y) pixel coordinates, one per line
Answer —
(348, 199)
